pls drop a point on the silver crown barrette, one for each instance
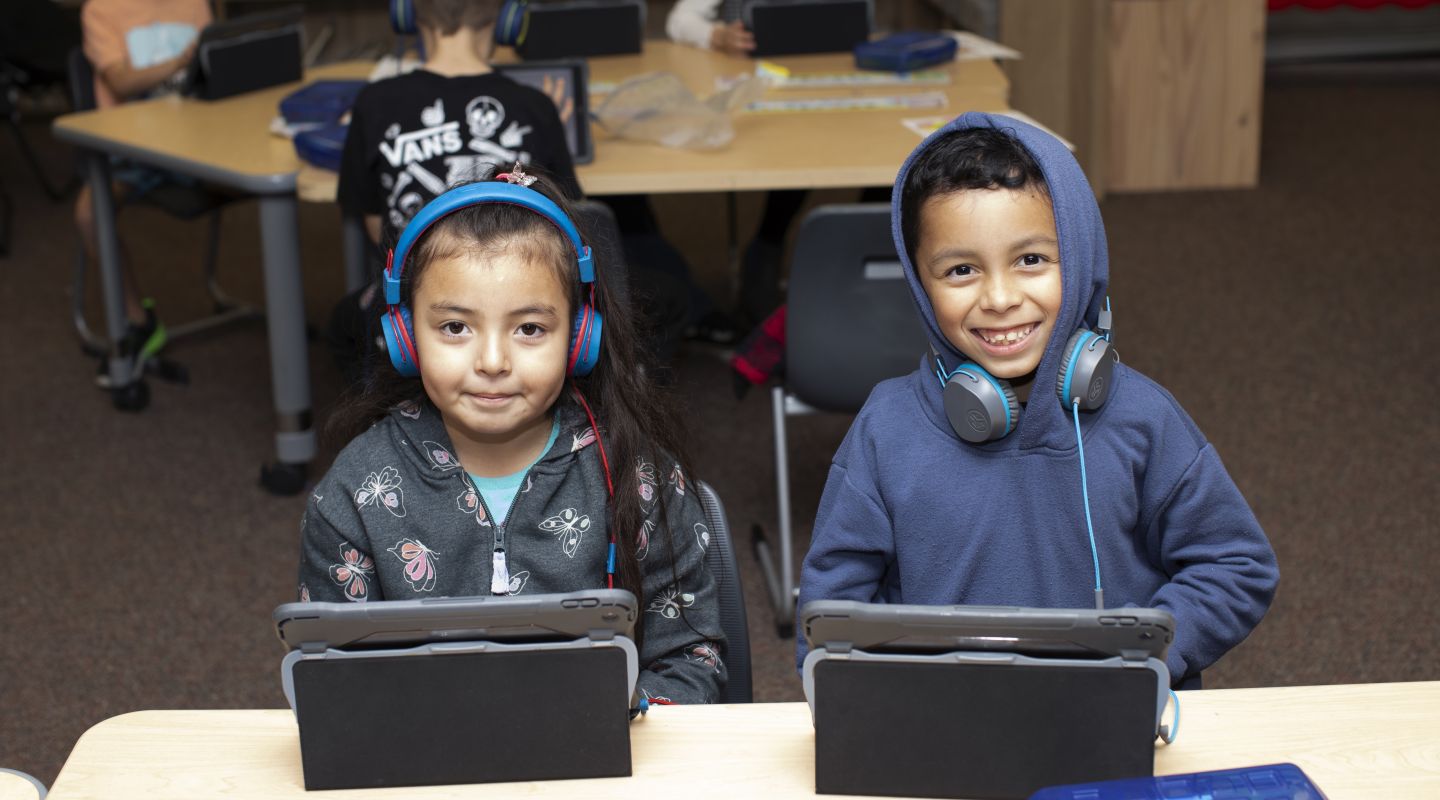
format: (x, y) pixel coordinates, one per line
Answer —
(517, 176)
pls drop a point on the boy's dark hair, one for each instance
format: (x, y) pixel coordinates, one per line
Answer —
(448, 16)
(971, 158)
(635, 414)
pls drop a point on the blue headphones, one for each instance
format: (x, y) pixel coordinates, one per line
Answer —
(397, 321)
(982, 408)
(510, 26)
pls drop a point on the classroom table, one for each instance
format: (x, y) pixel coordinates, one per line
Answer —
(227, 142)
(1354, 741)
(15, 786)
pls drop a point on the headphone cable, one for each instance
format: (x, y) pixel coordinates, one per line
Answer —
(1085, 491)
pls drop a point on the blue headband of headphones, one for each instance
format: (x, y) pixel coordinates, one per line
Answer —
(479, 194)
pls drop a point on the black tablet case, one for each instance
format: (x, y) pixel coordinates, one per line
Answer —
(577, 127)
(251, 52)
(978, 730)
(795, 27)
(582, 28)
(462, 718)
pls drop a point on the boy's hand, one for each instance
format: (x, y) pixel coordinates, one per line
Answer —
(732, 39)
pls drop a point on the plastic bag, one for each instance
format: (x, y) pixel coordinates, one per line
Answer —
(659, 108)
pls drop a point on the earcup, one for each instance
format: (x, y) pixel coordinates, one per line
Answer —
(400, 340)
(979, 407)
(511, 23)
(402, 17)
(1086, 371)
(585, 341)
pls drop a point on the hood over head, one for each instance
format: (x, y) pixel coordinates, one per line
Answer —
(1084, 271)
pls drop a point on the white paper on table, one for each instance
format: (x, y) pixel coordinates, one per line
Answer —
(973, 47)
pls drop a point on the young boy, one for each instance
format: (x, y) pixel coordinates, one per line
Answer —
(413, 136)
(1005, 255)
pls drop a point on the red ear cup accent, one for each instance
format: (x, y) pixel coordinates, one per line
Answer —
(579, 338)
(407, 343)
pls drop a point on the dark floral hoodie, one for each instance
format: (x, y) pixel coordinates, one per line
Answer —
(397, 518)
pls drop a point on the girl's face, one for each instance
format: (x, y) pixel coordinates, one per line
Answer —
(492, 332)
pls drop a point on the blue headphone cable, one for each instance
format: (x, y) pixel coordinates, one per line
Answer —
(1085, 491)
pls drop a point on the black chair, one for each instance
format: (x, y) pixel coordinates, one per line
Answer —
(185, 202)
(850, 323)
(720, 558)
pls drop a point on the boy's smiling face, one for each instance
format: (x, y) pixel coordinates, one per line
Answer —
(989, 260)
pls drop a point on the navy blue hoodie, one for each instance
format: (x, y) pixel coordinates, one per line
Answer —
(913, 514)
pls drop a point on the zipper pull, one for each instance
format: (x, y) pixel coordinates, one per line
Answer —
(499, 573)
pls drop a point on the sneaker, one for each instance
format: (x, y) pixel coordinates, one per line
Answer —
(141, 342)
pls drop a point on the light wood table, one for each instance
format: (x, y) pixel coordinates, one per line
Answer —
(773, 150)
(1354, 741)
(226, 142)
(16, 786)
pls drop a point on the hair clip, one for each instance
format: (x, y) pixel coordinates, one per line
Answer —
(516, 176)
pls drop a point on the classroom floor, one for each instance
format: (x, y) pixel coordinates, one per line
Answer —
(1295, 322)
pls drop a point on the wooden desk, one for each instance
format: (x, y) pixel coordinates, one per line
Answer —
(227, 142)
(1372, 740)
(794, 150)
(14, 786)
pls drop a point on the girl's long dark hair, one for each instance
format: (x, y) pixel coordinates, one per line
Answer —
(636, 417)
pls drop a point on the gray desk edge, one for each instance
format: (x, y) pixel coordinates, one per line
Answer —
(274, 183)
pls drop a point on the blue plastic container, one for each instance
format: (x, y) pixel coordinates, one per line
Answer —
(321, 101)
(905, 52)
(1268, 782)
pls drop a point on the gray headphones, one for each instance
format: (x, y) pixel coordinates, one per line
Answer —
(982, 408)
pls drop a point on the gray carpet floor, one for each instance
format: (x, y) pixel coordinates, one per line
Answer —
(1295, 322)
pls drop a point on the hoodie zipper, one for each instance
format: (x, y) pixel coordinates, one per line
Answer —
(499, 563)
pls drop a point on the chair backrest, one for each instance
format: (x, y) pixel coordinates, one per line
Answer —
(720, 558)
(600, 231)
(82, 80)
(848, 305)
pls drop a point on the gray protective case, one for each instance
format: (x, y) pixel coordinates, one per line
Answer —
(1131, 633)
(599, 613)
(428, 676)
(981, 701)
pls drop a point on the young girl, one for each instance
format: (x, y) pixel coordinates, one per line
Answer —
(527, 458)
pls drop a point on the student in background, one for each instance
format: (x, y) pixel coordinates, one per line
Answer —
(716, 25)
(966, 482)
(414, 135)
(506, 465)
(137, 48)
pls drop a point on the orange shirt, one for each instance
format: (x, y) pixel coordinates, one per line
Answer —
(142, 32)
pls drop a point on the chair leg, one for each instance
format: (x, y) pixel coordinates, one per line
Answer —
(780, 579)
(91, 343)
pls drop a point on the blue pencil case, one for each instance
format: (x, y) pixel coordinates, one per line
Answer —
(905, 52)
(1268, 782)
(322, 146)
(321, 101)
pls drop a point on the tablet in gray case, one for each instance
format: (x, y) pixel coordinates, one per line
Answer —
(461, 690)
(981, 701)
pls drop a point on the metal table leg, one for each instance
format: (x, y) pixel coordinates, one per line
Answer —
(127, 389)
(289, 359)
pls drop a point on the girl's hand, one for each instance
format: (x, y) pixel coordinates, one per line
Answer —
(732, 39)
